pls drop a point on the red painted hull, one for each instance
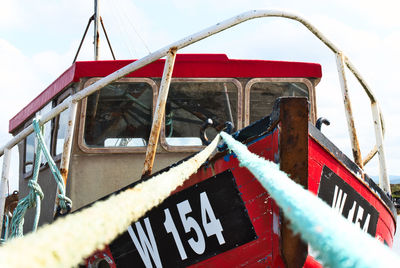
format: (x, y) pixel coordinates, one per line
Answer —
(267, 248)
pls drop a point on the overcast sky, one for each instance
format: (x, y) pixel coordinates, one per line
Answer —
(38, 41)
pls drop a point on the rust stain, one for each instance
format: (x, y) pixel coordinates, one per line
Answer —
(159, 114)
(294, 161)
(349, 113)
(64, 174)
(11, 202)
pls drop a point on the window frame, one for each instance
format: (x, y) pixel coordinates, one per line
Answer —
(81, 140)
(307, 82)
(67, 93)
(239, 108)
(28, 174)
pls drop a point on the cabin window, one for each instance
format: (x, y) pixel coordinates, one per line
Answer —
(30, 142)
(29, 153)
(61, 129)
(262, 93)
(119, 115)
(46, 131)
(192, 103)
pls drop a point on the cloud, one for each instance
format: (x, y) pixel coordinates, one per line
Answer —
(384, 13)
(49, 32)
(10, 15)
(23, 78)
(17, 76)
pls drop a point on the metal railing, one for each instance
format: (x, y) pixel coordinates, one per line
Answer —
(171, 50)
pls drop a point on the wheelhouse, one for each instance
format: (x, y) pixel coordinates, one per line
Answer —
(96, 119)
(113, 124)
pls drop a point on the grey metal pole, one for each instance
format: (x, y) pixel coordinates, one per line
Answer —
(159, 113)
(66, 155)
(384, 181)
(4, 183)
(96, 30)
(340, 61)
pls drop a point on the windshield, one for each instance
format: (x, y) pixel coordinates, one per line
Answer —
(119, 115)
(199, 110)
(262, 95)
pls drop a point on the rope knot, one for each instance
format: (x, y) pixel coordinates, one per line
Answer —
(64, 206)
(35, 187)
(64, 202)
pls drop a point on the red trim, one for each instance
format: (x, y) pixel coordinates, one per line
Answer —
(186, 65)
(318, 157)
(312, 263)
(49, 93)
(104, 254)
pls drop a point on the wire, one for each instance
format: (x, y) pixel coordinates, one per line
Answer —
(118, 22)
(132, 23)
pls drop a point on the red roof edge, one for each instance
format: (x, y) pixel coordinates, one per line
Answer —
(37, 103)
(187, 65)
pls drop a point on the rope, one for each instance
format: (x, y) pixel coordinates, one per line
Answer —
(339, 243)
(33, 199)
(64, 201)
(35, 195)
(70, 239)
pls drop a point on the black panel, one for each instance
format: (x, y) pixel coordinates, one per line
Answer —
(342, 197)
(340, 156)
(221, 199)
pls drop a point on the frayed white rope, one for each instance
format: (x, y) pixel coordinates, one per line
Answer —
(69, 240)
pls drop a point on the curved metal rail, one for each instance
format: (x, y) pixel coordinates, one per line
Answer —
(253, 14)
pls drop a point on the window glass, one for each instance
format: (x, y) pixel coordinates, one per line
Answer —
(31, 139)
(29, 152)
(62, 127)
(264, 94)
(119, 115)
(47, 131)
(190, 105)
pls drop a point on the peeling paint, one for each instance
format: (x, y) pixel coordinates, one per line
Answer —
(264, 260)
(275, 224)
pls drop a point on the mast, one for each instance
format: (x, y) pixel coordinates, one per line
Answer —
(96, 30)
(97, 22)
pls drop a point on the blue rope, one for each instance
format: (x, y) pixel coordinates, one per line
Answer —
(35, 195)
(33, 199)
(338, 242)
(65, 202)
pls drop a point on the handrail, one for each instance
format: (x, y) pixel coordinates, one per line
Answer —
(340, 243)
(253, 14)
(159, 113)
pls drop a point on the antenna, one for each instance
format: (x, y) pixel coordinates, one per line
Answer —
(96, 30)
(97, 21)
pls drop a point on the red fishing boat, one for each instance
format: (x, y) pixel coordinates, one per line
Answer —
(221, 216)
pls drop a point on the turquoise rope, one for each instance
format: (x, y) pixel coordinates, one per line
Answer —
(33, 199)
(64, 200)
(338, 242)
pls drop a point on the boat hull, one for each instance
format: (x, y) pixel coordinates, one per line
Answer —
(223, 217)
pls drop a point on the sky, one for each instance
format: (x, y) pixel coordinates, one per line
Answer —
(39, 39)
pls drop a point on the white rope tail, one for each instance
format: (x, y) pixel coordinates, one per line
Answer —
(69, 240)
